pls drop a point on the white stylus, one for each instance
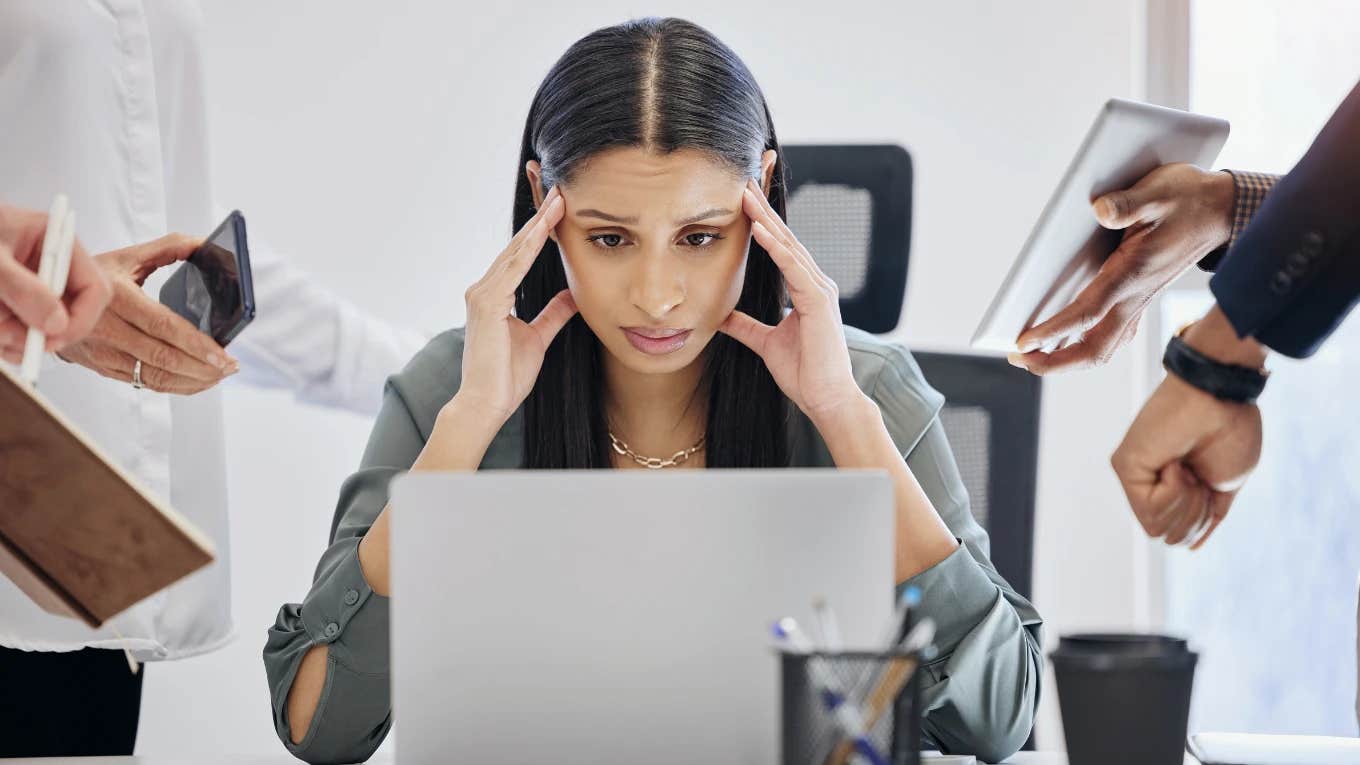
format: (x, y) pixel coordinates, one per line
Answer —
(53, 269)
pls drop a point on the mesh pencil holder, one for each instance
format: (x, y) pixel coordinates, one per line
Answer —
(809, 732)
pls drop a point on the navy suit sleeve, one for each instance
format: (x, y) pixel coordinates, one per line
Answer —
(1294, 274)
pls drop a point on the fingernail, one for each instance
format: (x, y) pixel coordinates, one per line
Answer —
(1104, 209)
(1014, 359)
(55, 323)
(1026, 346)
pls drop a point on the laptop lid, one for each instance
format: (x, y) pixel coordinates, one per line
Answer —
(613, 617)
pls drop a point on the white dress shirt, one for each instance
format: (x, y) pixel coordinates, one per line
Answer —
(104, 101)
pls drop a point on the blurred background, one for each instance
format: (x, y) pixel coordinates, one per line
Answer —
(378, 149)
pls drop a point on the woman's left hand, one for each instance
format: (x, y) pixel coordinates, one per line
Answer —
(806, 352)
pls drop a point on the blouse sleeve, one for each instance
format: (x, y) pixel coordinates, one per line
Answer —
(981, 692)
(341, 610)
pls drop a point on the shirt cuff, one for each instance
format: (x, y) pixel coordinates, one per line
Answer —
(342, 611)
(1249, 191)
(956, 594)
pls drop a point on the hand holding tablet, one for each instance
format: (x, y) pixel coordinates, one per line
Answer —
(1068, 247)
(1171, 219)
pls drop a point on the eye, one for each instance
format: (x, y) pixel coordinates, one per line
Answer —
(702, 238)
(605, 241)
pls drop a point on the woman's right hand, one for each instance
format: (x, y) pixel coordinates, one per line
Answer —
(502, 353)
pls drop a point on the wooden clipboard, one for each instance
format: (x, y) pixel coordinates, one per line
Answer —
(78, 534)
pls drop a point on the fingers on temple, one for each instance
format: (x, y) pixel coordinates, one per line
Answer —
(800, 281)
(507, 270)
(757, 207)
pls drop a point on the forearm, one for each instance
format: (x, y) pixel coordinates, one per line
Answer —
(458, 442)
(327, 664)
(306, 691)
(857, 438)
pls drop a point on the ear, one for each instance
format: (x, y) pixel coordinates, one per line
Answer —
(534, 172)
(767, 161)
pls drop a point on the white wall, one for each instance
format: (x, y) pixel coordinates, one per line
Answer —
(378, 149)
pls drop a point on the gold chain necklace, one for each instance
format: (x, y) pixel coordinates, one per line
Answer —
(655, 463)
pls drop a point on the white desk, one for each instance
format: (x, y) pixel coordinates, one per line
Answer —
(1023, 758)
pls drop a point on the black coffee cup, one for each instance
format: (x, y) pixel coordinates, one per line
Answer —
(1125, 698)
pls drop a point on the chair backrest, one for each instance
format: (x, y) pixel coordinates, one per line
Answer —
(991, 416)
(851, 207)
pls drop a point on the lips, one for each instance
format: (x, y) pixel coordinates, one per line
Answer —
(657, 341)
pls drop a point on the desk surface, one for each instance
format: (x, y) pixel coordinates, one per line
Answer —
(1023, 758)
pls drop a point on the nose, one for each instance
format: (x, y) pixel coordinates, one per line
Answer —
(658, 286)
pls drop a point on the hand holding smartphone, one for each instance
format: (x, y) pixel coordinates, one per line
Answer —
(213, 289)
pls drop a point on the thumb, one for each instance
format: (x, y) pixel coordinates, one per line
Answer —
(1172, 487)
(554, 316)
(1121, 209)
(148, 257)
(740, 326)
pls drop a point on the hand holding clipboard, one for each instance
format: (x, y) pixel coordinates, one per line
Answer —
(78, 534)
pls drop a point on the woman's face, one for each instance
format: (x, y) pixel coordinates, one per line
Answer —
(655, 249)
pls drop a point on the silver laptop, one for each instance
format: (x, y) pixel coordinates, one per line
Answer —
(619, 617)
(1066, 248)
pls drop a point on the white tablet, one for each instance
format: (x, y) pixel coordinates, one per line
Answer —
(1067, 246)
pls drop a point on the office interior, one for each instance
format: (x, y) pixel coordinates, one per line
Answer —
(374, 145)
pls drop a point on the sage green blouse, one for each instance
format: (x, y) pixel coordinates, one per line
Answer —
(981, 691)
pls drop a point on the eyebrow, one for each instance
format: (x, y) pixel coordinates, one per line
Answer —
(591, 212)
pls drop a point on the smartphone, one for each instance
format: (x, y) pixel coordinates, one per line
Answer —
(212, 290)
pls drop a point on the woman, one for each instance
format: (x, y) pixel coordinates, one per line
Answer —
(648, 163)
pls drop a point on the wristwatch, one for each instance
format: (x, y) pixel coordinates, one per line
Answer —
(1226, 382)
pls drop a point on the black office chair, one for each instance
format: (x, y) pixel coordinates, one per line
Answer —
(991, 416)
(851, 206)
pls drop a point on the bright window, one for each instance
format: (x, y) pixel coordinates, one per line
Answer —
(1271, 601)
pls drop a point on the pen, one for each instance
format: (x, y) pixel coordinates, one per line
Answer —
(53, 269)
(826, 622)
(892, 681)
(833, 697)
(897, 628)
